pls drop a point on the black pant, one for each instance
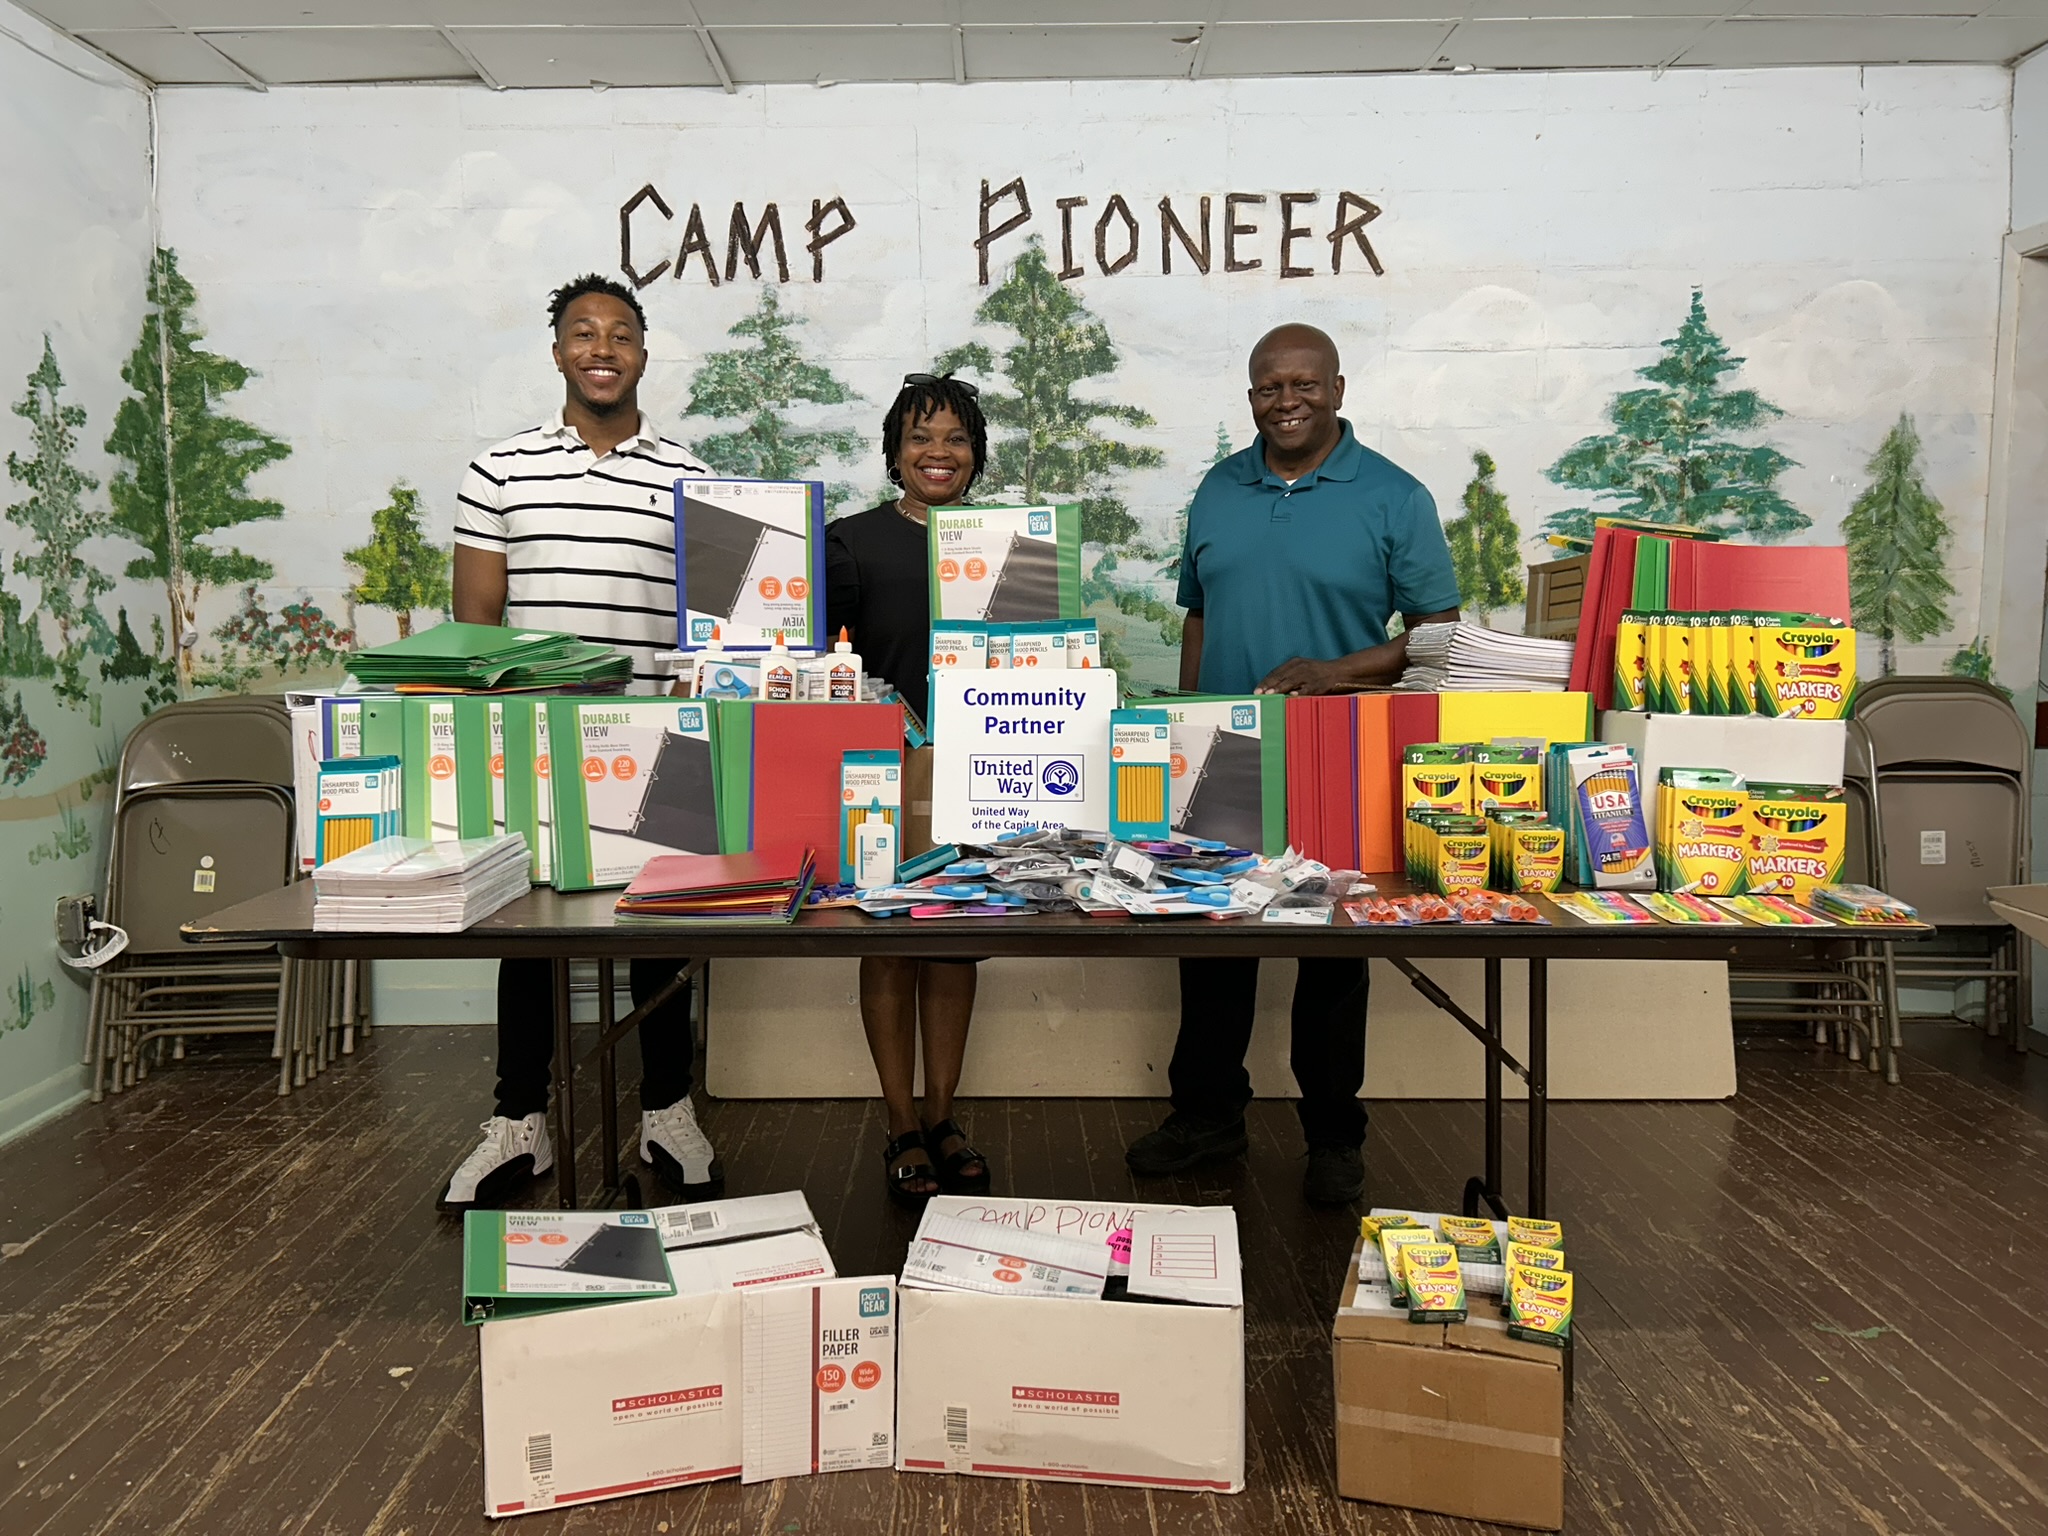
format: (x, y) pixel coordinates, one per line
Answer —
(526, 1036)
(1217, 998)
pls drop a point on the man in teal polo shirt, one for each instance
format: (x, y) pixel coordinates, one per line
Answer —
(1298, 551)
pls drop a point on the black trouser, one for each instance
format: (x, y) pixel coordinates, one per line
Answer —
(1217, 999)
(526, 1035)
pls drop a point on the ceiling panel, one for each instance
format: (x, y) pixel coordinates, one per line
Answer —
(1340, 10)
(577, 56)
(95, 15)
(1834, 40)
(249, 15)
(2004, 38)
(1817, 10)
(169, 58)
(1189, 14)
(1558, 44)
(801, 54)
(825, 12)
(1543, 10)
(332, 55)
(556, 13)
(1114, 51)
(1322, 47)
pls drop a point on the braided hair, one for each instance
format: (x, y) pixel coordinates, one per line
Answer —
(919, 401)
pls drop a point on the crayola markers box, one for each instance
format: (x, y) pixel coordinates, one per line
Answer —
(1735, 660)
(1632, 661)
(1708, 636)
(1436, 776)
(1702, 831)
(1806, 668)
(1507, 777)
(1798, 838)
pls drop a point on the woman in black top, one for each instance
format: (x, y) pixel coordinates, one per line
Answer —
(877, 586)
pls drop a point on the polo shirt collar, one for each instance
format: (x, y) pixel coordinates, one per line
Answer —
(1342, 464)
(644, 437)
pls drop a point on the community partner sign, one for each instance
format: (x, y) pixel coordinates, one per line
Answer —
(1011, 750)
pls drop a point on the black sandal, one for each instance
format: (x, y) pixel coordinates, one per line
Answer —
(951, 1178)
(901, 1178)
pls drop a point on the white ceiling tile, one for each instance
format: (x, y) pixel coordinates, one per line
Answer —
(330, 55)
(169, 58)
(96, 15)
(555, 13)
(1322, 47)
(1742, 41)
(1821, 10)
(1341, 10)
(800, 54)
(1025, 13)
(1544, 10)
(768, 13)
(1560, 44)
(2004, 38)
(1108, 52)
(576, 56)
(236, 15)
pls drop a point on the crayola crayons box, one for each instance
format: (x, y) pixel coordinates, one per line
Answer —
(1806, 667)
(1434, 1283)
(1473, 1237)
(1436, 776)
(1798, 837)
(1449, 853)
(1702, 831)
(1392, 1241)
(1632, 661)
(1540, 1306)
(1531, 856)
(1536, 1232)
(1507, 777)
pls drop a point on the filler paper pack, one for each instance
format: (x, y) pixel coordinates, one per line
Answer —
(750, 561)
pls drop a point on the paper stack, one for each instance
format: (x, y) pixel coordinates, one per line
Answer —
(1468, 658)
(472, 657)
(682, 888)
(415, 885)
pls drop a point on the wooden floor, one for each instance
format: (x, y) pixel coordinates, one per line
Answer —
(1820, 1307)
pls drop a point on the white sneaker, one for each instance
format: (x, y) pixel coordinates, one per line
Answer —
(511, 1152)
(679, 1151)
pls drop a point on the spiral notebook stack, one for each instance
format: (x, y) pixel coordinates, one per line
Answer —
(417, 885)
(1461, 657)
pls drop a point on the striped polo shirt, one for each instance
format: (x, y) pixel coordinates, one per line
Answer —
(589, 541)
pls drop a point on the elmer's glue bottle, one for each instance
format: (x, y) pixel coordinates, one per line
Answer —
(843, 678)
(708, 660)
(778, 672)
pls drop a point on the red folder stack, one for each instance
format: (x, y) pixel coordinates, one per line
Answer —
(797, 752)
(681, 888)
(1322, 778)
(1705, 577)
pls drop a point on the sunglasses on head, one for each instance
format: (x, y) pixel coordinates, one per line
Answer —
(933, 378)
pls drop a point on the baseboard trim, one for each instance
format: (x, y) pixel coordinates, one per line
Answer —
(38, 1103)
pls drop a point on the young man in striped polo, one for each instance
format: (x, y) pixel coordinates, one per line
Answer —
(571, 526)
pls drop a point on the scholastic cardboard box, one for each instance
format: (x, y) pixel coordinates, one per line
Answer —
(763, 1364)
(1454, 1418)
(1123, 1391)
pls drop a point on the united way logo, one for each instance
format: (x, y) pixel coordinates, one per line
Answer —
(1039, 523)
(1061, 776)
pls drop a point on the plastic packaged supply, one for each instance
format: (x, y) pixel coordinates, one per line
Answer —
(1392, 1241)
(1861, 904)
(1434, 1283)
(1540, 1306)
(811, 683)
(1084, 643)
(1473, 1237)
(999, 645)
(1040, 645)
(958, 643)
(1535, 1232)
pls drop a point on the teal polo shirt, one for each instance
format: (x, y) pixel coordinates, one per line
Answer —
(1313, 569)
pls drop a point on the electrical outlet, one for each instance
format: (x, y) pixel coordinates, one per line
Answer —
(75, 915)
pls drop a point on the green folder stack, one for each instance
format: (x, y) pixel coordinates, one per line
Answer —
(488, 656)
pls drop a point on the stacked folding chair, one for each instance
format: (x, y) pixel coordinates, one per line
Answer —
(203, 819)
(1940, 768)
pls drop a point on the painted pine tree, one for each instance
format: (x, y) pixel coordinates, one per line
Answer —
(402, 571)
(758, 387)
(1974, 660)
(189, 462)
(1678, 452)
(1046, 445)
(1486, 544)
(58, 518)
(1898, 540)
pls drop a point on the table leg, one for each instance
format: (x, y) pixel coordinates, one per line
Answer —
(565, 1094)
(1539, 1087)
(607, 1077)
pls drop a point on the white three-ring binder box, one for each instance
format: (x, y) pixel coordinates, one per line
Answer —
(1136, 1393)
(763, 1364)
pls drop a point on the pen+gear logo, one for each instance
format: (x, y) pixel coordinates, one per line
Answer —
(874, 1301)
(1061, 777)
(1039, 524)
(690, 717)
(700, 630)
(1244, 717)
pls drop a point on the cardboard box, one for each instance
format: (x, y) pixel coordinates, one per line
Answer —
(1121, 1392)
(1457, 1419)
(917, 803)
(607, 1401)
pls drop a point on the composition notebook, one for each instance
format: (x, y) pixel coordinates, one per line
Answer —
(520, 1263)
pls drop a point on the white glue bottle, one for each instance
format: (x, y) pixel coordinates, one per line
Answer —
(874, 859)
(843, 677)
(778, 672)
(708, 661)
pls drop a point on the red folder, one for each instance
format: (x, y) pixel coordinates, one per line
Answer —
(709, 874)
(797, 750)
(1770, 578)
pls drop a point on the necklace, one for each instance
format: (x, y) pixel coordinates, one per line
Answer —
(907, 515)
